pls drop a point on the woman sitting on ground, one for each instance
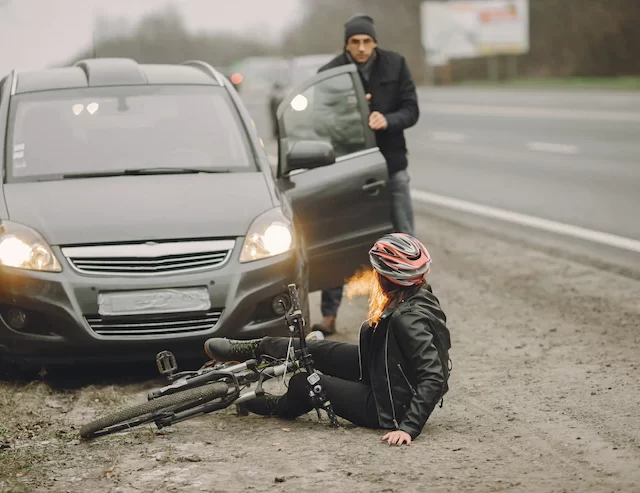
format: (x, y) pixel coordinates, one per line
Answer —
(395, 376)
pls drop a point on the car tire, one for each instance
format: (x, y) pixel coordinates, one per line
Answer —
(20, 371)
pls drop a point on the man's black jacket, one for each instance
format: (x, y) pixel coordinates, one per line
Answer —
(405, 359)
(393, 93)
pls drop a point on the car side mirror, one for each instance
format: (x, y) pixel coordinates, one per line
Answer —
(309, 154)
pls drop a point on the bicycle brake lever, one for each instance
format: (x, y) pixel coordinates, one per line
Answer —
(287, 317)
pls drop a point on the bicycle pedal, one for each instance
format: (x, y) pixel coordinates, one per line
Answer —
(166, 363)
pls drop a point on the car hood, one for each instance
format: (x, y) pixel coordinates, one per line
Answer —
(139, 208)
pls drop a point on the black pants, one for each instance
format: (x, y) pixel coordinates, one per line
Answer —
(331, 300)
(338, 361)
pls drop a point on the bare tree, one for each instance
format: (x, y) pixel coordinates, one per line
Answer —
(397, 26)
(567, 37)
(574, 38)
(162, 37)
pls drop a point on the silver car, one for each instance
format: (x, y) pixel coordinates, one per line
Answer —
(139, 212)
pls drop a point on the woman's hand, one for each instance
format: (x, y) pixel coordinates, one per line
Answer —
(397, 438)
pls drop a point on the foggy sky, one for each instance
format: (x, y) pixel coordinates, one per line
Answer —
(34, 33)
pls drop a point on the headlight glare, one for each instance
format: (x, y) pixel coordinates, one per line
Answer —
(24, 248)
(270, 234)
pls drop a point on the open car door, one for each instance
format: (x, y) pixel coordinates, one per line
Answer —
(333, 173)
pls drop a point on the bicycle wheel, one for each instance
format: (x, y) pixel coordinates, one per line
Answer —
(148, 411)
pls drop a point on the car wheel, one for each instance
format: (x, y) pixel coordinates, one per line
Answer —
(18, 370)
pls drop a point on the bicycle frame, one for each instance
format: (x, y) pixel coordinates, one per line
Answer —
(234, 396)
(243, 374)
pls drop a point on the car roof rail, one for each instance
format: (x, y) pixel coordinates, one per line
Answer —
(207, 68)
(14, 82)
(111, 71)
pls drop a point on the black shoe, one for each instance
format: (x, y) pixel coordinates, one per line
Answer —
(265, 405)
(327, 326)
(221, 349)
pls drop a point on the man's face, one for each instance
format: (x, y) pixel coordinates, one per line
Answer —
(361, 47)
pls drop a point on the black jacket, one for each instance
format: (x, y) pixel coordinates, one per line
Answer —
(393, 93)
(406, 362)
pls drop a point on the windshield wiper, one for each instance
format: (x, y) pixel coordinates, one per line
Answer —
(144, 171)
(161, 170)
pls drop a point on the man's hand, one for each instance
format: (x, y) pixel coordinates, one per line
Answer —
(377, 121)
(397, 438)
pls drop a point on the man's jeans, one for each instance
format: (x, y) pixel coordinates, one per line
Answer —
(402, 220)
(401, 207)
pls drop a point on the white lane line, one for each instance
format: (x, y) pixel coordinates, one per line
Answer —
(551, 147)
(526, 220)
(448, 137)
(530, 112)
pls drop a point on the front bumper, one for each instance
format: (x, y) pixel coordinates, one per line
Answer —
(62, 311)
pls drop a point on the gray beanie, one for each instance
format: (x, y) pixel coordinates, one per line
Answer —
(359, 24)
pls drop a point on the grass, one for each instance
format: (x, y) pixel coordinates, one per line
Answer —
(105, 396)
(35, 430)
(21, 430)
(16, 463)
(629, 83)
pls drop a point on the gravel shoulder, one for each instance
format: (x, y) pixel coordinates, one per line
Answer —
(544, 398)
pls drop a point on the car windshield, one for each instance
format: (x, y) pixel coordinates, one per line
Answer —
(108, 130)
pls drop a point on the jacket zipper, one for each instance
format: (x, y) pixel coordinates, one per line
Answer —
(386, 364)
(375, 399)
(359, 351)
(406, 379)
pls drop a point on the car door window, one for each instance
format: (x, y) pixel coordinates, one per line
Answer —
(328, 111)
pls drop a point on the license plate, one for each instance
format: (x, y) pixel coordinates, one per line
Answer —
(153, 301)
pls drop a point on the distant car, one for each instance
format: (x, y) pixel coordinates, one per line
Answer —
(254, 76)
(139, 212)
(296, 71)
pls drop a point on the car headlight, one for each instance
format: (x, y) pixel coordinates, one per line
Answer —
(24, 248)
(270, 234)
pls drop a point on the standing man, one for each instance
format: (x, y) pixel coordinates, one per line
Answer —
(393, 102)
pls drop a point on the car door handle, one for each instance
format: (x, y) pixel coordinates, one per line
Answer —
(373, 187)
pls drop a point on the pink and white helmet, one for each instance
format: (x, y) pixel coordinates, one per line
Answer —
(401, 258)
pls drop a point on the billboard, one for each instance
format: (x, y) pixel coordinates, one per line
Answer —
(474, 28)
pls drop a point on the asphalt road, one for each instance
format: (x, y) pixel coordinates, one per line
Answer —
(569, 157)
(551, 155)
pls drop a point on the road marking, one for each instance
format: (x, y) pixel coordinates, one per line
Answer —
(551, 147)
(530, 112)
(448, 137)
(526, 220)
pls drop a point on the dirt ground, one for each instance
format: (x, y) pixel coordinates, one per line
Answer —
(545, 397)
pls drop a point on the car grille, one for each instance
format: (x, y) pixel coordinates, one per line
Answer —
(147, 259)
(154, 325)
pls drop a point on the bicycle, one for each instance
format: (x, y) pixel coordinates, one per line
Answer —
(217, 385)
